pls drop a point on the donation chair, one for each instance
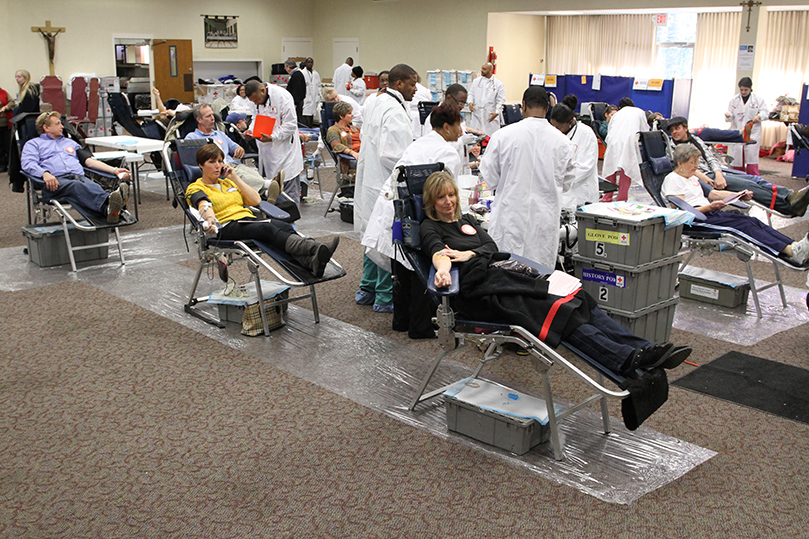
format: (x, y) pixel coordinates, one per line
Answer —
(453, 333)
(512, 113)
(179, 157)
(700, 236)
(342, 180)
(40, 212)
(425, 109)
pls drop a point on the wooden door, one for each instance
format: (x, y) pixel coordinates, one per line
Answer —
(174, 69)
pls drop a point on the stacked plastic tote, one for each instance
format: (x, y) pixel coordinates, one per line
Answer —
(628, 262)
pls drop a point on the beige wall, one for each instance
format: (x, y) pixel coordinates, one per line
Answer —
(519, 41)
(421, 33)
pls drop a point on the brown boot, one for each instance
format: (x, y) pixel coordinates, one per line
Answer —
(313, 255)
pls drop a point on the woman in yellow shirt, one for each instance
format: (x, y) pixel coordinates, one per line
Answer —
(221, 196)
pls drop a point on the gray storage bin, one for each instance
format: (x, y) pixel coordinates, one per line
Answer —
(626, 241)
(713, 287)
(652, 323)
(47, 247)
(628, 288)
(515, 434)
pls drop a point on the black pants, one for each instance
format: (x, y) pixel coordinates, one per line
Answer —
(274, 233)
(413, 307)
(5, 141)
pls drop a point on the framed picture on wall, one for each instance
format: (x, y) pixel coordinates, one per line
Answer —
(221, 32)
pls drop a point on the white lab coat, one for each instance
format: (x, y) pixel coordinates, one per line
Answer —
(431, 148)
(312, 92)
(422, 94)
(240, 104)
(358, 90)
(741, 113)
(342, 76)
(385, 136)
(584, 187)
(284, 152)
(529, 163)
(488, 96)
(622, 143)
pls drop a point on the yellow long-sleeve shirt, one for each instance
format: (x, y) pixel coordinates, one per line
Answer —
(228, 203)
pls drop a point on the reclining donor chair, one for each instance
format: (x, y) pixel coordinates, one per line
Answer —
(39, 211)
(699, 236)
(453, 332)
(342, 179)
(179, 158)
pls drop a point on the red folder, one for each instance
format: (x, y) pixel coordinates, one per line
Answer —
(263, 126)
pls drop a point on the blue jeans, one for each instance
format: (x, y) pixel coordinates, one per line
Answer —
(761, 188)
(80, 192)
(605, 340)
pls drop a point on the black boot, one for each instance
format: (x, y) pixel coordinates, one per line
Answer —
(313, 255)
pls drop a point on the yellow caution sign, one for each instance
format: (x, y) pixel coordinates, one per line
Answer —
(607, 236)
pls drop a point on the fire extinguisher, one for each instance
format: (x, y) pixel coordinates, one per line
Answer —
(493, 59)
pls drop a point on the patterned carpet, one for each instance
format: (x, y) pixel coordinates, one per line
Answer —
(118, 422)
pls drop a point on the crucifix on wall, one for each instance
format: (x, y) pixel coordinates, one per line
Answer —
(749, 4)
(49, 33)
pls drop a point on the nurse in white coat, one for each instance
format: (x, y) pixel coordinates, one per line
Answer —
(422, 94)
(746, 107)
(358, 88)
(385, 136)
(313, 85)
(621, 162)
(487, 95)
(529, 164)
(342, 76)
(434, 147)
(584, 187)
(282, 149)
(412, 313)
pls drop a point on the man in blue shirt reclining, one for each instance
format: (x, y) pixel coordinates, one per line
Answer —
(58, 162)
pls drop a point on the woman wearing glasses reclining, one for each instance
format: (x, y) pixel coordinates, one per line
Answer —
(682, 183)
(221, 196)
(493, 294)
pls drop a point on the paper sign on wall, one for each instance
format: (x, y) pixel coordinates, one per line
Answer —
(537, 79)
(597, 82)
(550, 81)
(746, 57)
(584, 79)
(656, 85)
(640, 84)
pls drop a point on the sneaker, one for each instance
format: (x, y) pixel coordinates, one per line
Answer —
(800, 251)
(383, 308)
(364, 298)
(116, 202)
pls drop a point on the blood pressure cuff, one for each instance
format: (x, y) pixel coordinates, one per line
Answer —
(83, 154)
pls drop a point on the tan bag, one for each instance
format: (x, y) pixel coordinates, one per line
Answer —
(276, 315)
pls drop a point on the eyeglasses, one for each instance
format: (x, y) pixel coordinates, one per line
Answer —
(461, 104)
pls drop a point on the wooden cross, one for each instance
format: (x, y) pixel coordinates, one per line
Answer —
(749, 5)
(49, 33)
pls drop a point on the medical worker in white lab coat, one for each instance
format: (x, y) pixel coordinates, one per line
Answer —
(357, 88)
(529, 164)
(386, 134)
(280, 150)
(621, 162)
(746, 108)
(487, 95)
(584, 187)
(410, 313)
(313, 85)
(342, 76)
(422, 94)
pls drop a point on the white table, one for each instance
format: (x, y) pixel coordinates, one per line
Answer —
(136, 147)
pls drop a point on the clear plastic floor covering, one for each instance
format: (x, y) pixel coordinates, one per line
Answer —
(371, 370)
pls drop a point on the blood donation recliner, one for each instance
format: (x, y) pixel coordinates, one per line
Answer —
(699, 236)
(453, 332)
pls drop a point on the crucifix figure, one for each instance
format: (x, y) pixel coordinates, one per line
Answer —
(749, 5)
(49, 33)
